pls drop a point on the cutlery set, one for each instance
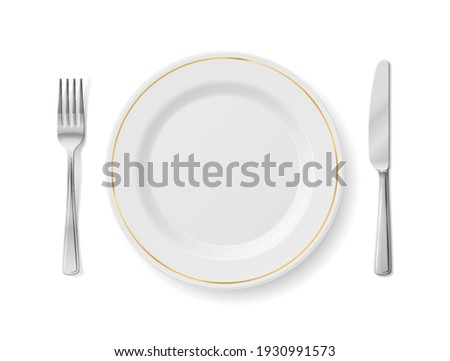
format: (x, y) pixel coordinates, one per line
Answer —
(71, 131)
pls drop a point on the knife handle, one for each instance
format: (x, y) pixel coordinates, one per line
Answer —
(383, 246)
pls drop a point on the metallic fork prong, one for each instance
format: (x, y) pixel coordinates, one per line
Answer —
(60, 105)
(74, 104)
(68, 122)
(81, 100)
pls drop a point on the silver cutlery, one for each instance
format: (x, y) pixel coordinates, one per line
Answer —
(71, 134)
(379, 129)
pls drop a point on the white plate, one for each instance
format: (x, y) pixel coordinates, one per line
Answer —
(225, 107)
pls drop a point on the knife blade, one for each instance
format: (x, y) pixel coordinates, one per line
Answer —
(379, 153)
(379, 118)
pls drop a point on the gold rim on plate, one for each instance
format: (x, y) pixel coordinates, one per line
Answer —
(265, 274)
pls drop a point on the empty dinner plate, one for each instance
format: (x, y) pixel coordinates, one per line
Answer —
(223, 170)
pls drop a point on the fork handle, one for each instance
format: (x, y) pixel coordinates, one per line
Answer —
(71, 262)
(383, 246)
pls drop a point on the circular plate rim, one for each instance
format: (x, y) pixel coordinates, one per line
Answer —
(294, 262)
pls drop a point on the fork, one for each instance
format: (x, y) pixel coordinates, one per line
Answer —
(71, 135)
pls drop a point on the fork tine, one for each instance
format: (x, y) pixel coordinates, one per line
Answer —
(60, 116)
(68, 122)
(81, 99)
(74, 105)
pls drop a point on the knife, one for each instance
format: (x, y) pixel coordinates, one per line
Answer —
(379, 157)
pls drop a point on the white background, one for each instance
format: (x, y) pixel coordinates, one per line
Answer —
(119, 300)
